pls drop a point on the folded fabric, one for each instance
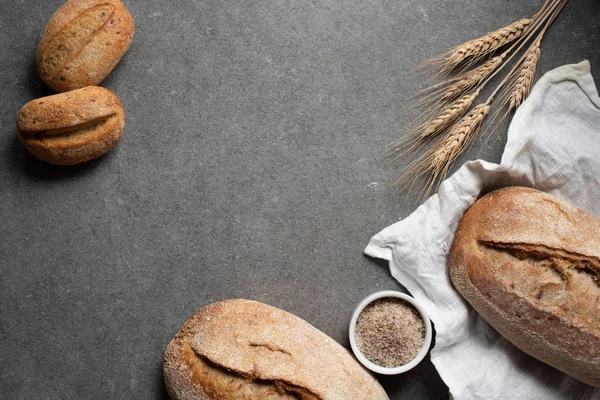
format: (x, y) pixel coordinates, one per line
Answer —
(553, 145)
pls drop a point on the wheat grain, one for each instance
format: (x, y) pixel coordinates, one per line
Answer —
(448, 116)
(524, 80)
(473, 50)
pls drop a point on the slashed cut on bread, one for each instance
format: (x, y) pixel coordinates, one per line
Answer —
(529, 263)
(241, 349)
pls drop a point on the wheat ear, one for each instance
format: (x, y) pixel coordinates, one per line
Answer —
(473, 50)
(448, 116)
(444, 153)
(445, 117)
(471, 79)
(416, 138)
(524, 80)
(440, 94)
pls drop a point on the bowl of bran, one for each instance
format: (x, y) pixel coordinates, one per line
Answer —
(390, 332)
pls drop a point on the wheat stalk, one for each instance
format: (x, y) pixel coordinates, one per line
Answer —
(523, 73)
(473, 50)
(447, 114)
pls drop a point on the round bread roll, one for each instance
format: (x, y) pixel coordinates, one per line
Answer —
(83, 42)
(241, 349)
(73, 127)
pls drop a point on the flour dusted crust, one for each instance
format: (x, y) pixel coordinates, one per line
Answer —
(529, 263)
(241, 349)
(73, 127)
(83, 42)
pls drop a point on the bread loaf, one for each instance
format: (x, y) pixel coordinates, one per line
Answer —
(82, 43)
(73, 127)
(240, 349)
(529, 263)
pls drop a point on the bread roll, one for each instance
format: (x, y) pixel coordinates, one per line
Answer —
(82, 43)
(529, 263)
(73, 127)
(241, 349)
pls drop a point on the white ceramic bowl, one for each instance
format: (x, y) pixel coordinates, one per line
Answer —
(402, 368)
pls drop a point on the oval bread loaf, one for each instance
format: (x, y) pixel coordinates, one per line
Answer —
(241, 349)
(529, 263)
(73, 127)
(83, 41)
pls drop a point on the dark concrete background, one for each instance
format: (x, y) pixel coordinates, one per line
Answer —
(251, 167)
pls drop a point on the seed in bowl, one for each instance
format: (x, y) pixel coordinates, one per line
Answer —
(389, 332)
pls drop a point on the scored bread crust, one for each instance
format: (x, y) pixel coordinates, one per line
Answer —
(98, 56)
(529, 263)
(71, 110)
(241, 349)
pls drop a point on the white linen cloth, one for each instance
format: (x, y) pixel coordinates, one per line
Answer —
(553, 145)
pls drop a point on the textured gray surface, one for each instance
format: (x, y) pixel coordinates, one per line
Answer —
(251, 167)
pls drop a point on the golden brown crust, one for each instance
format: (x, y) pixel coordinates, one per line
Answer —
(73, 127)
(83, 42)
(529, 263)
(240, 349)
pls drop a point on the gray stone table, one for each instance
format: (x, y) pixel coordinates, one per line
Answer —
(251, 167)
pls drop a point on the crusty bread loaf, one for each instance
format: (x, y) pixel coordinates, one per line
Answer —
(529, 263)
(72, 127)
(82, 43)
(241, 349)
